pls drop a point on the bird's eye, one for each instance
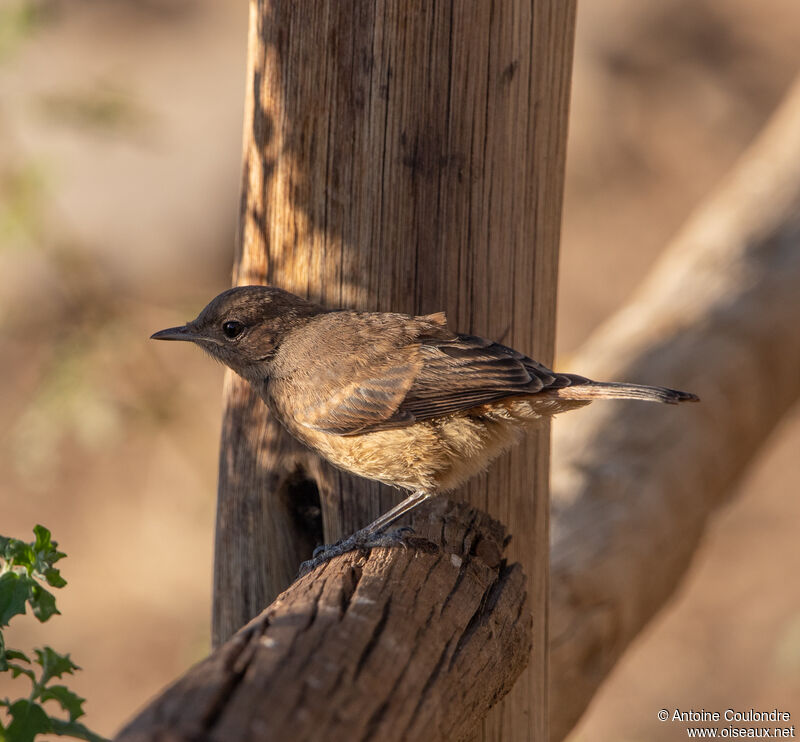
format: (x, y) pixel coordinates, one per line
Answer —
(232, 329)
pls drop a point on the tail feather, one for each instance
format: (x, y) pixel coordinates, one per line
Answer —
(587, 389)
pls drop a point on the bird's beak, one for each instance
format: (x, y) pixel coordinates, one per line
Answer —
(175, 333)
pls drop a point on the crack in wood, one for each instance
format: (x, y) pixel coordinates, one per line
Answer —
(378, 648)
(431, 679)
(238, 662)
(373, 639)
(481, 615)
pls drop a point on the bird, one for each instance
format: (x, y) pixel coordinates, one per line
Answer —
(391, 397)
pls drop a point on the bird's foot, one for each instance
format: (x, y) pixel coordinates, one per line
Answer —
(362, 540)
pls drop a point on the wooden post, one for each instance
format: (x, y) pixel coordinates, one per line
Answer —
(406, 156)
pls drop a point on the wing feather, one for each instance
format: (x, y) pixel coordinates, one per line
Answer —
(369, 401)
(432, 373)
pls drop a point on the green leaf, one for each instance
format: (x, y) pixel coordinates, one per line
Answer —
(54, 578)
(54, 665)
(19, 554)
(46, 554)
(15, 654)
(45, 547)
(27, 720)
(17, 670)
(43, 539)
(14, 591)
(43, 602)
(74, 729)
(36, 559)
(71, 702)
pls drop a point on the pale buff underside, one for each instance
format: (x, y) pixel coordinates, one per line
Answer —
(435, 455)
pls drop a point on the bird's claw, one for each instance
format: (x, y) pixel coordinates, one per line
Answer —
(362, 540)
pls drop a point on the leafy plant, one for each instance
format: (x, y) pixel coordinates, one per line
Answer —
(25, 569)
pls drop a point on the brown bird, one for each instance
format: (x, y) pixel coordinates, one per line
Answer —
(391, 397)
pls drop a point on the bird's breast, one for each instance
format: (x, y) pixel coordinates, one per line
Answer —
(433, 455)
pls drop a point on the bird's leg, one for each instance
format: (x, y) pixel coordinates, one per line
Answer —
(371, 536)
(397, 512)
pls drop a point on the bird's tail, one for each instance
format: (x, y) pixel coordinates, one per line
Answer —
(586, 389)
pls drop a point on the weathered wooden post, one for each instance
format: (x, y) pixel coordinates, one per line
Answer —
(408, 156)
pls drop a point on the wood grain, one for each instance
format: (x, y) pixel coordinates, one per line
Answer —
(405, 156)
(399, 644)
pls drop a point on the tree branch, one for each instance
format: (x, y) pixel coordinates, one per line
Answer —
(401, 643)
(635, 485)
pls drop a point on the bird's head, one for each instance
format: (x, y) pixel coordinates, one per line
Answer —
(243, 326)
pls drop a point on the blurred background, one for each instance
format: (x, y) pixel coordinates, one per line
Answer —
(120, 136)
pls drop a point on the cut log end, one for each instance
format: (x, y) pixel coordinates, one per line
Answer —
(398, 643)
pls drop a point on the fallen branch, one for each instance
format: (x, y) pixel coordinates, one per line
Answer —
(635, 485)
(414, 643)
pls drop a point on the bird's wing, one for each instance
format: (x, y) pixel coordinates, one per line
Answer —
(430, 377)
(366, 398)
(470, 371)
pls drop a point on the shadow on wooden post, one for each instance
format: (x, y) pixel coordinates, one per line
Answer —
(397, 644)
(398, 156)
